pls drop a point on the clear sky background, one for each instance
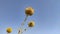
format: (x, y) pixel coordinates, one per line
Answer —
(46, 16)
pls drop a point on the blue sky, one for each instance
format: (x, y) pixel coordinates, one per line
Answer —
(46, 16)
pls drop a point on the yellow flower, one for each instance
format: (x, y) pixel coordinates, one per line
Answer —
(9, 30)
(31, 24)
(29, 11)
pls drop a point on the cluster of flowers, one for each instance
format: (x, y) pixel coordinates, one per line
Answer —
(29, 11)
